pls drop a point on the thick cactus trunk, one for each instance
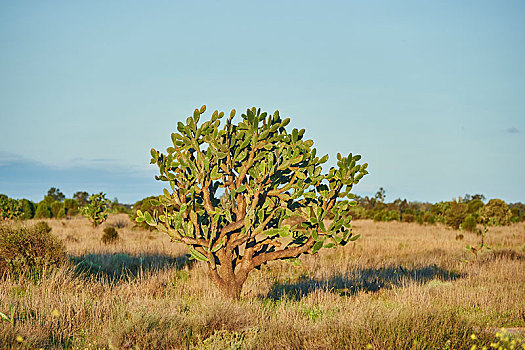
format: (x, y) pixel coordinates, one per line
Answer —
(229, 285)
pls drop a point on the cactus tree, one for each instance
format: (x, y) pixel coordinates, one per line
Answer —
(249, 193)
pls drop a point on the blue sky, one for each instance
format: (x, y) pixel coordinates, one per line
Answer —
(431, 94)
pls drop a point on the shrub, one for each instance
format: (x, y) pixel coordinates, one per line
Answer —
(469, 224)
(71, 206)
(29, 250)
(408, 218)
(235, 186)
(455, 214)
(474, 205)
(495, 213)
(42, 211)
(386, 215)
(429, 218)
(28, 209)
(56, 207)
(110, 235)
(518, 211)
(61, 213)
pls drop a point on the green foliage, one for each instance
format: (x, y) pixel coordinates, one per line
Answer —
(61, 213)
(439, 211)
(495, 213)
(407, 217)
(387, 215)
(145, 205)
(118, 208)
(27, 208)
(97, 209)
(10, 209)
(55, 195)
(474, 205)
(81, 197)
(42, 211)
(265, 176)
(481, 245)
(455, 214)
(56, 207)
(518, 212)
(29, 250)
(110, 235)
(71, 207)
(469, 224)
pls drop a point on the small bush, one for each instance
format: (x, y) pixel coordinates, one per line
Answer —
(42, 211)
(429, 218)
(28, 209)
(469, 224)
(29, 251)
(56, 207)
(71, 207)
(61, 213)
(408, 218)
(110, 235)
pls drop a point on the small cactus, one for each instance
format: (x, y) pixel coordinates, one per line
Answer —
(97, 209)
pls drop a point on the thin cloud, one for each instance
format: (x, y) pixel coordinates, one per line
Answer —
(512, 130)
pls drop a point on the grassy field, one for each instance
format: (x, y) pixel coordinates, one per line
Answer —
(400, 286)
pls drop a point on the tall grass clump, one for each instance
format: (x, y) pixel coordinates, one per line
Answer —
(29, 251)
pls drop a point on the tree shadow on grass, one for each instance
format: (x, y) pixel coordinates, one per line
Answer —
(367, 280)
(116, 267)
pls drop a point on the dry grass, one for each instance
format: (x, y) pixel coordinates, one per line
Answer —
(400, 286)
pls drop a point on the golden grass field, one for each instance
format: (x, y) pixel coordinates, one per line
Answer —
(400, 286)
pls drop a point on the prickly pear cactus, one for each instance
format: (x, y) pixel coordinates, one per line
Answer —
(97, 209)
(249, 193)
(10, 209)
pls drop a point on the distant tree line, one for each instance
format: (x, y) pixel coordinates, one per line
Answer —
(463, 213)
(460, 213)
(54, 205)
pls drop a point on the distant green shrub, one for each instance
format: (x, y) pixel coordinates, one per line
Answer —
(474, 205)
(42, 211)
(495, 213)
(518, 211)
(387, 215)
(110, 235)
(408, 217)
(56, 207)
(71, 207)
(28, 209)
(469, 224)
(455, 214)
(61, 213)
(29, 251)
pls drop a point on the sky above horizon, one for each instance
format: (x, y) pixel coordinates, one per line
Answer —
(431, 94)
